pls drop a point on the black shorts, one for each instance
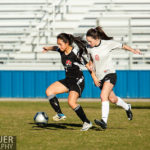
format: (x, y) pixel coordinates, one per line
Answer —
(74, 84)
(112, 78)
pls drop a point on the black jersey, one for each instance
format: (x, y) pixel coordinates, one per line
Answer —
(72, 62)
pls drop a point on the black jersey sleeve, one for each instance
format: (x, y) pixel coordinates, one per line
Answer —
(57, 49)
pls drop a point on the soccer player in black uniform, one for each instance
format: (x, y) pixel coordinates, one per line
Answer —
(71, 59)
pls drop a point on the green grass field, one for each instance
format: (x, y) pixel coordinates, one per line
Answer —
(16, 118)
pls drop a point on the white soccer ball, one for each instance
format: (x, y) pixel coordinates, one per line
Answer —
(41, 118)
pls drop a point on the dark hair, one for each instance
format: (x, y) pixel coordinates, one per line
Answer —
(98, 33)
(69, 38)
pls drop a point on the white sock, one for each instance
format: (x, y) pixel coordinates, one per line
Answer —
(105, 110)
(121, 103)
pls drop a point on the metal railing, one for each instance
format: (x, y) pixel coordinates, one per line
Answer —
(47, 24)
(129, 28)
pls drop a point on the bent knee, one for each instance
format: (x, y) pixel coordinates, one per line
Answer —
(49, 92)
(103, 97)
(113, 99)
(73, 105)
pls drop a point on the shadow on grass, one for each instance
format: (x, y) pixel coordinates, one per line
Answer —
(57, 126)
(50, 126)
(140, 107)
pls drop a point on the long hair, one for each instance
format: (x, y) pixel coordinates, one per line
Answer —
(98, 33)
(72, 39)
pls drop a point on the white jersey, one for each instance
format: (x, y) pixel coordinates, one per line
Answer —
(102, 59)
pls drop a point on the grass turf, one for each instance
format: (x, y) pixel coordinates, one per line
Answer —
(16, 118)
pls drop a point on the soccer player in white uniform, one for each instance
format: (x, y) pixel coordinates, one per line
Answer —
(99, 49)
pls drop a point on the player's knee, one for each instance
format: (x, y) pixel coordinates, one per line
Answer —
(49, 92)
(103, 97)
(71, 104)
(112, 99)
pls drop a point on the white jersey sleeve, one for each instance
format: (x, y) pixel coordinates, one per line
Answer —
(114, 44)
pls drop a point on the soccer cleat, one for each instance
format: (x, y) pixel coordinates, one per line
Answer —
(59, 117)
(86, 126)
(101, 123)
(129, 113)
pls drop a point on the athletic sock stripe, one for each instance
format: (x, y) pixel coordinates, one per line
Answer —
(77, 108)
(51, 96)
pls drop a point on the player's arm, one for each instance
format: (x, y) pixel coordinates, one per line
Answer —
(95, 79)
(50, 48)
(128, 48)
(89, 65)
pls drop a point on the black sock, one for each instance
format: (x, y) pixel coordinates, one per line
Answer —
(79, 111)
(55, 104)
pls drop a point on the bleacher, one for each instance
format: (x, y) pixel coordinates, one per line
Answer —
(28, 25)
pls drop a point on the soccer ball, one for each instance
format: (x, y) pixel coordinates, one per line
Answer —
(41, 118)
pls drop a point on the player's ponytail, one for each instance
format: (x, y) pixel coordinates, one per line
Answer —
(80, 43)
(72, 39)
(98, 33)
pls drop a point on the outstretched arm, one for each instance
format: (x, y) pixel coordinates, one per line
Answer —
(126, 47)
(50, 48)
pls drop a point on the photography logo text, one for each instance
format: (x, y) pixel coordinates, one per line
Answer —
(7, 142)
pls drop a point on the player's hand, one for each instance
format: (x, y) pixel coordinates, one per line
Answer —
(45, 49)
(91, 67)
(137, 51)
(96, 82)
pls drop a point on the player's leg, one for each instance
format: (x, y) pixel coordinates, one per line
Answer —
(72, 101)
(105, 92)
(52, 90)
(120, 102)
